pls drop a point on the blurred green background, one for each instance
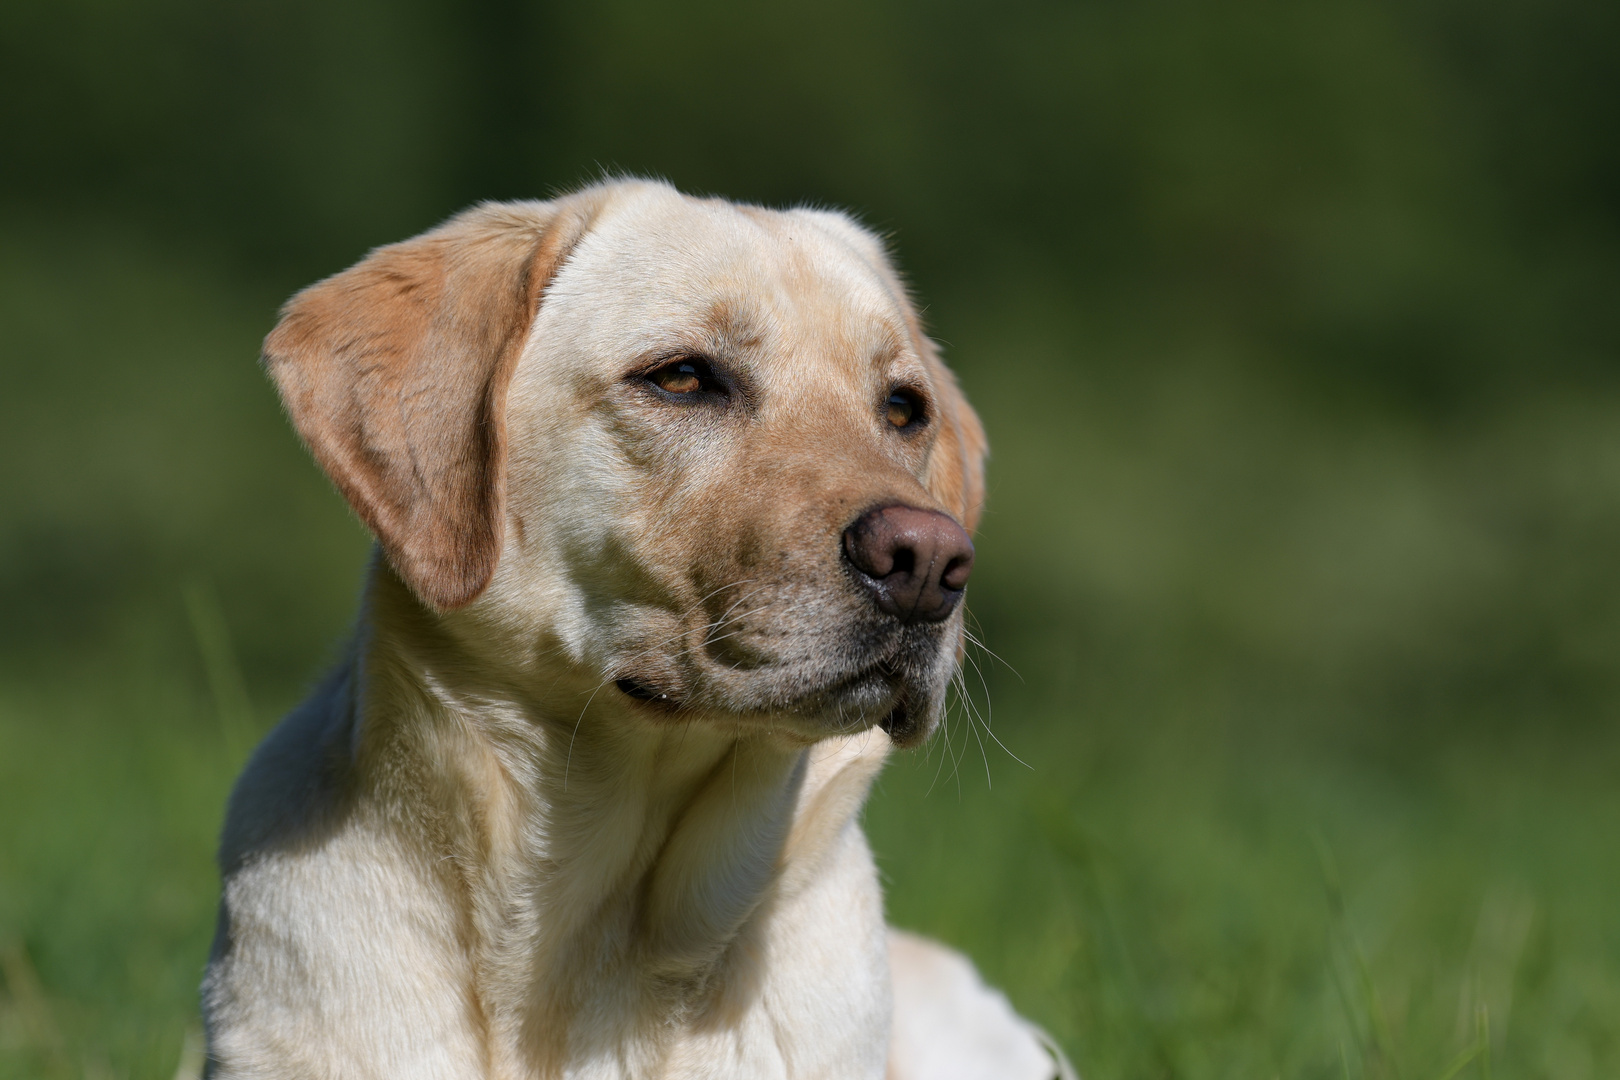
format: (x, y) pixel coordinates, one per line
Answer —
(1295, 330)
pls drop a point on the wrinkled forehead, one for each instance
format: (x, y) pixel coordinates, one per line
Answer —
(662, 272)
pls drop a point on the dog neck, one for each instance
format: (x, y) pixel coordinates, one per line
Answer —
(607, 864)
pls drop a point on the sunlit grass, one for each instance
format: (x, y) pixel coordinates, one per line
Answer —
(1176, 903)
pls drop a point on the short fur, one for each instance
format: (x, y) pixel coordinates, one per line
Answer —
(471, 853)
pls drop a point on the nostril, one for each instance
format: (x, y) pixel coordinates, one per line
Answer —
(905, 561)
(867, 551)
(956, 573)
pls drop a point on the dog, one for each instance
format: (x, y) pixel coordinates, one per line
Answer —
(672, 500)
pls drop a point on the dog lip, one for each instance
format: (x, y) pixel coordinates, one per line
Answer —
(885, 672)
(881, 669)
(898, 721)
(639, 690)
(884, 686)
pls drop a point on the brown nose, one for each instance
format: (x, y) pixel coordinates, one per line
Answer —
(916, 562)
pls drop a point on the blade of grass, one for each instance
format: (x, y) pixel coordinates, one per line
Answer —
(28, 992)
(224, 673)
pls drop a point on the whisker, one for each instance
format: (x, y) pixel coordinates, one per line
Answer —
(710, 640)
(945, 733)
(969, 716)
(568, 762)
(956, 761)
(988, 704)
(948, 748)
(976, 640)
(737, 601)
(983, 754)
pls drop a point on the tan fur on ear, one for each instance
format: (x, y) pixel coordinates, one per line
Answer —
(395, 374)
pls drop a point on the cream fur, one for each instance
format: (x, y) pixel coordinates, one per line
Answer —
(469, 853)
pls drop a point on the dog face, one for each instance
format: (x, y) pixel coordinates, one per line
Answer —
(699, 455)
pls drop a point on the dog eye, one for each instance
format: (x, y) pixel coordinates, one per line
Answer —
(685, 376)
(905, 408)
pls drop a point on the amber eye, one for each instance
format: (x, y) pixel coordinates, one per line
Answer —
(904, 408)
(680, 377)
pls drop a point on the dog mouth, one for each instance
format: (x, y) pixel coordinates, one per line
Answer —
(814, 677)
(880, 694)
(902, 723)
(647, 693)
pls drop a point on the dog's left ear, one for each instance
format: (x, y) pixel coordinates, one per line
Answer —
(395, 374)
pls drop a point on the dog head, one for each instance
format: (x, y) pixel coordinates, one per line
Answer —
(698, 454)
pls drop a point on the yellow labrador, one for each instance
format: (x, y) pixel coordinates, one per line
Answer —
(672, 499)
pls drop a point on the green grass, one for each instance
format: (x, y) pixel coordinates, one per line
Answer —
(1175, 903)
(107, 883)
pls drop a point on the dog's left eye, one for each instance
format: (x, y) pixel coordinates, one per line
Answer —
(688, 375)
(904, 409)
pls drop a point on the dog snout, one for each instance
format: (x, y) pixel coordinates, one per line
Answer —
(915, 562)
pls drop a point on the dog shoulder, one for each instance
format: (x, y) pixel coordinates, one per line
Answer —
(295, 785)
(337, 950)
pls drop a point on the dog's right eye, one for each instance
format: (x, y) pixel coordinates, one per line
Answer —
(688, 375)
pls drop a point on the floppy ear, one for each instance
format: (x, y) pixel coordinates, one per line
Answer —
(395, 373)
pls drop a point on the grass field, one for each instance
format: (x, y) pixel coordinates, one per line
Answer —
(1314, 706)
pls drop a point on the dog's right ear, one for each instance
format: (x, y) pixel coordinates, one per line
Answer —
(395, 373)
